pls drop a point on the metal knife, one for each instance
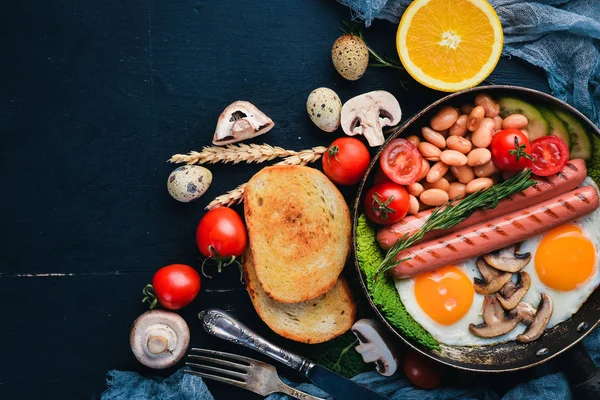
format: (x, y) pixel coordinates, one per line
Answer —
(222, 325)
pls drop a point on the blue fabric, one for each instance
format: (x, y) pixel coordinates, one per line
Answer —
(179, 386)
(560, 36)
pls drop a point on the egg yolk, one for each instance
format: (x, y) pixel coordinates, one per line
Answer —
(445, 295)
(565, 258)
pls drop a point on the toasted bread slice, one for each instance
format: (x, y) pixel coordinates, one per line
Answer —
(299, 231)
(313, 321)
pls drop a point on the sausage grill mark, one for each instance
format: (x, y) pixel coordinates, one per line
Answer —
(582, 197)
(498, 230)
(536, 188)
(567, 205)
(572, 167)
(545, 180)
(561, 176)
(450, 247)
(483, 235)
(433, 253)
(518, 225)
(419, 258)
(549, 212)
(467, 241)
(534, 218)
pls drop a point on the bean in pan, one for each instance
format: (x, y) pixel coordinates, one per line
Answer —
(464, 174)
(482, 137)
(444, 118)
(460, 126)
(453, 158)
(429, 151)
(413, 205)
(434, 197)
(415, 189)
(414, 139)
(475, 118)
(441, 184)
(438, 170)
(485, 170)
(457, 190)
(490, 107)
(479, 156)
(516, 121)
(433, 137)
(459, 144)
(479, 184)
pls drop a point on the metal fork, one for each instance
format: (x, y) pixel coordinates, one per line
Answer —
(244, 372)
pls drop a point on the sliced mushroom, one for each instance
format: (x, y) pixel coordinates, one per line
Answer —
(526, 312)
(540, 320)
(508, 259)
(513, 295)
(241, 120)
(373, 346)
(493, 280)
(368, 113)
(496, 322)
(159, 339)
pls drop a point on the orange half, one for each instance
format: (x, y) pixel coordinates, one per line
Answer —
(449, 45)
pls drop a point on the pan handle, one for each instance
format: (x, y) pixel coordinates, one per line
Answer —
(582, 373)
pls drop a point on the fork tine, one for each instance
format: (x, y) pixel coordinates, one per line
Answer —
(224, 354)
(217, 369)
(225, 363)
(233, 382)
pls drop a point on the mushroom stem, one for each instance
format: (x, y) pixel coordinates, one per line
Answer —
(493, 280)
(516, 295)
(540, 320)
(495, 321)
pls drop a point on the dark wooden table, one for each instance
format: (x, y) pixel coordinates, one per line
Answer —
(94, 98)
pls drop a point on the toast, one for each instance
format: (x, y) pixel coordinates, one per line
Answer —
(313, 321)
(299, 231)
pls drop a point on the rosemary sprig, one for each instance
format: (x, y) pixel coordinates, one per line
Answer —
(452, 213)
(380, 61)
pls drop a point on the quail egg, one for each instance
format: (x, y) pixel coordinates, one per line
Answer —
(189, 182)
(324, 108)
(350, 56)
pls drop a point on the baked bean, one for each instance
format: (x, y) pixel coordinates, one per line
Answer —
(453, 158)
(457, 190)
(438, 170)
(485, 170)
(433, 137)
(482, 137)
(478, 157)
(490, 107)
(413, 204)
(479, 184)
(460, 126)
(525, 132)
(414, 139)
(434, 197)
(415, 189)
(429, 151)
(466, 108)
(424, 169)
(475, 118)
(444, 118)
(464, 174)
(442, 184)
(517, 121)
(459, 144)
(497, 123)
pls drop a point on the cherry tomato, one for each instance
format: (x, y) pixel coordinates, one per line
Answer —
(511, 150)
(176, 285)
(221, 233)
(422, 371)
(401, 161)
(550, 155)
(386, 203)
(346, 161)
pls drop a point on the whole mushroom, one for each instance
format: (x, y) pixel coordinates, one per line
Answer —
(159, 339)
(368, 113)
(375, 346)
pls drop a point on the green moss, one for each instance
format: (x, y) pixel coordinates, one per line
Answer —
(383, 292)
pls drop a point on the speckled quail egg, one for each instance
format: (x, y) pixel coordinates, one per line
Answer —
(189, 182)
(350, 56)
(324, 108)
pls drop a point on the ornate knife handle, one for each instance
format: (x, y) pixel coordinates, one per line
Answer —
(222, 325)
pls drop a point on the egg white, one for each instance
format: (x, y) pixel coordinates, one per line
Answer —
(566, 303)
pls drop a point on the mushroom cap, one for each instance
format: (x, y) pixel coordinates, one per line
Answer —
(495, 321)
(508, 259)
(159, 339)
(493, 280)
(513, 295)
(373, 346)
(368, 113)
(540, 320)
(241, 120)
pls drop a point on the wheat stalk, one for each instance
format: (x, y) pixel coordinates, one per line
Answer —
(236, 196)
(249, 153)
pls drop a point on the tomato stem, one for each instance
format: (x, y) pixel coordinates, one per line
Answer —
(519, 151)
(221, 262)
(149, 296)
(333, 152)
(382, 206)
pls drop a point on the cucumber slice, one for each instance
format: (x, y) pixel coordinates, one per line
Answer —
(581, 146)
(557, 127)
(538, 125)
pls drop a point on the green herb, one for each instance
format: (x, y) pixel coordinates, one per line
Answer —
(452, 213)
(383, 291)
(380, 61)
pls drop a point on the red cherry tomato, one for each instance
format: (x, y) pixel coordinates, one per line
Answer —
(550, 155)
(423, 371)
(401, 161)
(511, 150)
(223, 230)
(346, 161)
(386, 203)
(176, 285)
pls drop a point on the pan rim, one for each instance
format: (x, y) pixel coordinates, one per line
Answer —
(395, 331)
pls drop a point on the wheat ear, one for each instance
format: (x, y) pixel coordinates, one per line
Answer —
(249, 153)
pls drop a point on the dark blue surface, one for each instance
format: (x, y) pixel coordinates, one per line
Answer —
(94, 97)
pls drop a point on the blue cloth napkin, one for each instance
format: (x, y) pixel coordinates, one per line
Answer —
(132, 386)
(560, 36)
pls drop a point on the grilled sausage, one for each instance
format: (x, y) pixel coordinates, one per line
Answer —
(497, 233)
(569, 178)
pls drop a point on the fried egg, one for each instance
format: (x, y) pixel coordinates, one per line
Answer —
(564, 265)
